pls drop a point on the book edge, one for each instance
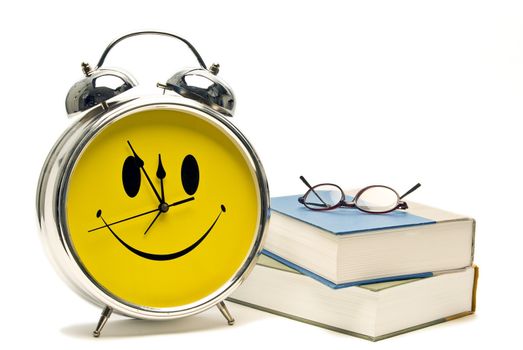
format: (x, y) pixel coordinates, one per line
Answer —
(399, 227)
(333, 285)
(344, 233)
(475, 288)
(300, 319)
(368, 337)
(345, 331)
(473, 247)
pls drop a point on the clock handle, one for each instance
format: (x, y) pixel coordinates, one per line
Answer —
(149, 32)
(94, 89)
(200, 84)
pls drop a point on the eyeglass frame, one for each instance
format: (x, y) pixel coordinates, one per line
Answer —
(352, 204)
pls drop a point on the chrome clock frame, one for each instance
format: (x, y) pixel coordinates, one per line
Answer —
(52, 193)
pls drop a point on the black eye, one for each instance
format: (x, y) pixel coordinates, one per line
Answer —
(190, 174)
(131, 177)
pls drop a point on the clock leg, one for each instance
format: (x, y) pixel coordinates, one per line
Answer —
(106, 313)
(225, 312)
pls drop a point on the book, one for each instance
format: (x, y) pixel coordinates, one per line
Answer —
(373, 311)
(345, 247)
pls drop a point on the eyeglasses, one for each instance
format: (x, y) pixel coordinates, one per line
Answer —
(375, 199)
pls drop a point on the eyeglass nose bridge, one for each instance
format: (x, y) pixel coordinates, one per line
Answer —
(351, 204)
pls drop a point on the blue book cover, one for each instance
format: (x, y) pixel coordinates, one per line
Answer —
(343, 221)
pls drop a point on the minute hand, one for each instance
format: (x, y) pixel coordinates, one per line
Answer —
(140, 164)
(182, 201)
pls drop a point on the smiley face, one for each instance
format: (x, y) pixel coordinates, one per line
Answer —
(156, 208)
(133, 167)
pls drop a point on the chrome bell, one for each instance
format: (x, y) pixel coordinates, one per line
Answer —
(94, 88)
(203, 86)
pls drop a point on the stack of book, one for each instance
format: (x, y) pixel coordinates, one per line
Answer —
(372, 276)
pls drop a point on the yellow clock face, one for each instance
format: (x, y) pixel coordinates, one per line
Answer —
(162, 208)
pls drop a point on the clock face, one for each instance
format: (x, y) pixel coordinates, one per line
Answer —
(162, 208)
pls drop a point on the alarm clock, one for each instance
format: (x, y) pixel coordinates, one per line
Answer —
(152, 206)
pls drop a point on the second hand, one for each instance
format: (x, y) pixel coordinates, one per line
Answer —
(129, 218)
(142, 214)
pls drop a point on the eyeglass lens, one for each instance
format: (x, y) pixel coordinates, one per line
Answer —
(377, 199)
(323, 196)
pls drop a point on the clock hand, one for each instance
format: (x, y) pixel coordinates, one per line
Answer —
(129, 218)
(181, 202)
(164, 208)
(140, 163)
(160, 173)
(160, 208)
(151, 224)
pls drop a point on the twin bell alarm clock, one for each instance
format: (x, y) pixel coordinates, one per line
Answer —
(153, 207)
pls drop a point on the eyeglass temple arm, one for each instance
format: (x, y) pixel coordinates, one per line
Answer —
(414, 188)
(310, 187)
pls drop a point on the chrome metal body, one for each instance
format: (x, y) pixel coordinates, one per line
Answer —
(53, 187)
(149, 32)
(90, 91)
(106, 313)
(200, 84)
(225, 312)
(205, 87)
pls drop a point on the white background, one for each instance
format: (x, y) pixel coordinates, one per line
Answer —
(390, 92)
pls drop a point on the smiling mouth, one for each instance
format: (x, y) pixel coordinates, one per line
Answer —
(170, 256)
